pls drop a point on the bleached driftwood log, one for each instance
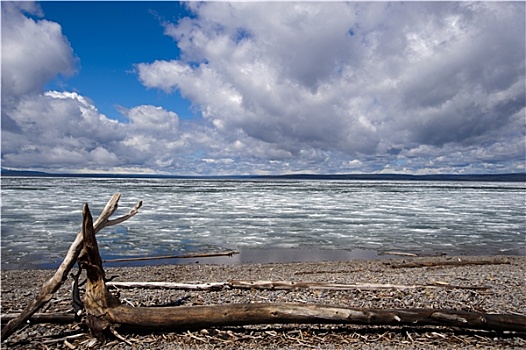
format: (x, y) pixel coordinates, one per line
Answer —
(54, 283)
(169, 285)
(283, 285)
(103, 309)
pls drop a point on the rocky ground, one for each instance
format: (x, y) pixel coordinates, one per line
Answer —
(506, 293)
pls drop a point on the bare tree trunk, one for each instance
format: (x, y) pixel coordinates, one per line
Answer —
(103, 309)
(54, 283)
(97, 299)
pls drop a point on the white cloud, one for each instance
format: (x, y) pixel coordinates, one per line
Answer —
(152, 136)
(373, 78)
(33, 51)
(64, 131)
(287, 87)
(58, 130)
(153, 119)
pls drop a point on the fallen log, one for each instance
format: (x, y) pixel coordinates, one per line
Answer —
(196, 317)
(104, 310)
(283, 285)
(169, 285)
(54, 283)
(458, 262)
(163, 257)
(287, 285)
(43, 317)
(392, 252)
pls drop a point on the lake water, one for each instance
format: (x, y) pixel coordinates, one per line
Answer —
(266, 220)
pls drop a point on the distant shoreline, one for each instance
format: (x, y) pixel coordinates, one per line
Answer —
(510, 177)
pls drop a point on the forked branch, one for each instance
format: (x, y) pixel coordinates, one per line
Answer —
(55, 282)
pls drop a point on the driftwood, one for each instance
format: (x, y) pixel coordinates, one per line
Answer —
(458, 262)
(192, 317)
(195, 317)
(104, 310)
(54, 283)
(283, 285)
(186, 256)
(43, 317)
(170, 285)
(392, 252)
(287, 285)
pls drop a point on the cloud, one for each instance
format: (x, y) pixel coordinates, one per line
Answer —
(151, 118)
(374, 78)
(65, 131)
(60, 130)
(33, 51)
(285, 87)
(152, 133)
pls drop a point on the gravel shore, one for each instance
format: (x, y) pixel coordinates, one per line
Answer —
(505, 293)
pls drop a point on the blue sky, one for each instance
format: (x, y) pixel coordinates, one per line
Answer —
(215, 88)
(109, 48)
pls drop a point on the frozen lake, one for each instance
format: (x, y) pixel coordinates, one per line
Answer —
(41, 216)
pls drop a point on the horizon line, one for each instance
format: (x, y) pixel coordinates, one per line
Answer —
(515, 177)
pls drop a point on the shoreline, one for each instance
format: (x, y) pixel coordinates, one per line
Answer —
(503, 281)
(244, 256)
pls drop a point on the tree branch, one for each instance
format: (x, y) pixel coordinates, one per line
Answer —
(45, 317)
(56, 281)
(282, 285)
(187, 256)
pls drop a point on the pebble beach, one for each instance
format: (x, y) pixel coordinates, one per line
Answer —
(497, 285)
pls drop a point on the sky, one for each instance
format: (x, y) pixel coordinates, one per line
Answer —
(238, 88)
